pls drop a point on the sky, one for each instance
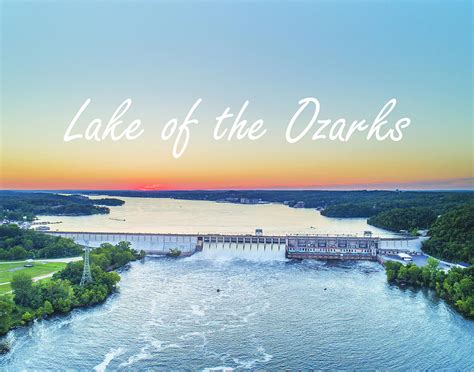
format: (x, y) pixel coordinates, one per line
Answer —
(353, 56)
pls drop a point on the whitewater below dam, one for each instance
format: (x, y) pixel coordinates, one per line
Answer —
(268, 314)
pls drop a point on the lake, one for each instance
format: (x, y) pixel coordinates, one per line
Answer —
(153, 215)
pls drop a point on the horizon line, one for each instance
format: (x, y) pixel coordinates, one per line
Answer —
(242, 189)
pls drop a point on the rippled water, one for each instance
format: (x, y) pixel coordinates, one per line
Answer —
(268, 314)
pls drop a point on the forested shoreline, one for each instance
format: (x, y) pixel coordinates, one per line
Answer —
(455, 286)
(63, 292)
(391, 210)
(20, 244)
(452, 235)
(25, 206)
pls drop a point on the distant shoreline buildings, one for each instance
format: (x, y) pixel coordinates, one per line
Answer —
(247, 201)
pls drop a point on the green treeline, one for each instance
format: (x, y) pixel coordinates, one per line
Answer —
(62, 292)
(456, 286)
(397, 219)
(19, 244)
(350, 210)
(369, 202)
(108, 201)
(20, 206)
(452, 235)
(417, 207)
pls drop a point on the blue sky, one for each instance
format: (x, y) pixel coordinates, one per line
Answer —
(352, 56)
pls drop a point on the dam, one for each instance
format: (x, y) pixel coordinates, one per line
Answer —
(340, 247)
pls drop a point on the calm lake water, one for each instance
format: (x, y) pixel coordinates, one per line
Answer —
(154, 215)
(269, 313)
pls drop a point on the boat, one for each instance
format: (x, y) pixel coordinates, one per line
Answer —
(42, 228)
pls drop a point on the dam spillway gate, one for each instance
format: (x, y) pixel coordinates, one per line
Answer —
(323, 247)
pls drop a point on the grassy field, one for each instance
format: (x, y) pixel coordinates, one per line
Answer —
(4, 288)
(7, 270)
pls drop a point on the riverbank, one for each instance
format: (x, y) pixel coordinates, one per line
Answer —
(455, 286)
(268, 315)
(62, 293)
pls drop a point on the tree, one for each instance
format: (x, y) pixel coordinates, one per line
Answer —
(48, 308)
(404, 218)
(122, 258)
(101, 260)
(6, 309)
(432, 263)
(23, 289)
(452, 235)
(392, 268)
(466, 287)
(425, 275)
(414, 274)
(18, 253)
(60, 294)
(72, 272)
(27, 316)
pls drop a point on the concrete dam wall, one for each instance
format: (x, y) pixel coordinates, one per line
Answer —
(150, 243)
(253, 246)
(188, 244)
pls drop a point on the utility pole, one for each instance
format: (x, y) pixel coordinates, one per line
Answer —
(86, 273)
